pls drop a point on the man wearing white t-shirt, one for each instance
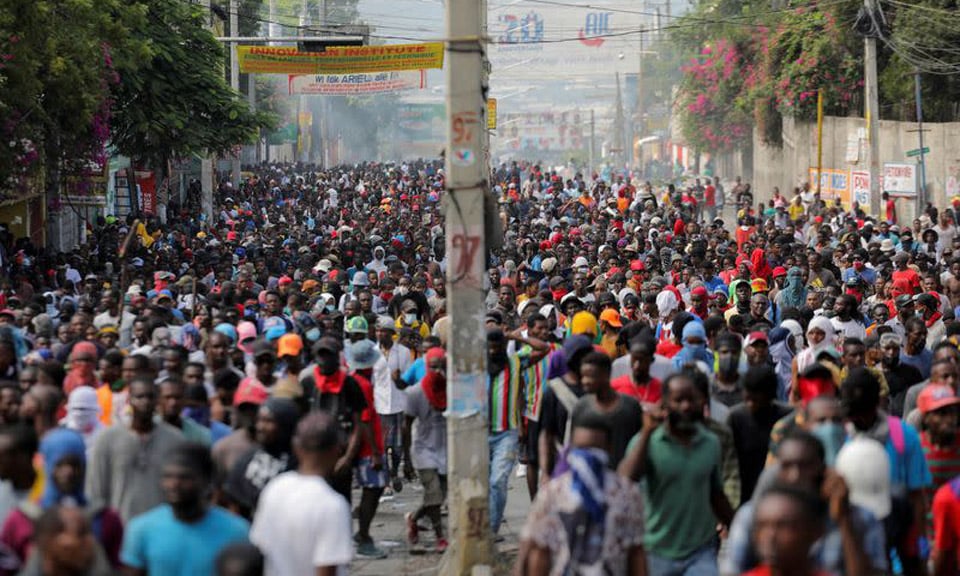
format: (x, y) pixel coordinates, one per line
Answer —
(302, 525)
(388, 399)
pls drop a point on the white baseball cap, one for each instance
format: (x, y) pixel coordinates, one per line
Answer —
(865, 467)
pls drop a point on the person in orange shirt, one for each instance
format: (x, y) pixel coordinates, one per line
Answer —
(610, 325)
(745, 231)
(112, 396)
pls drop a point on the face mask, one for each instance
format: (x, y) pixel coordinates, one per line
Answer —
(728, 367)
(313, 334)
(401, 290)
(330, 307)
(832, 436)
(409, 318)
(696, 349)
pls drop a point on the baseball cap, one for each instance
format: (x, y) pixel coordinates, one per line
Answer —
(357, 325)
(754, 337)
(936, 396)
(583, 323)
(274, 327)
(611, 317)
(865, 467)
(250, 392)
(759, 285)
(903, 300)
(386, 323)
(289, 345)
(264, 348)
(246, 334)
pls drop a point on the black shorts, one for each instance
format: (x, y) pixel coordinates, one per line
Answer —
(533, 443)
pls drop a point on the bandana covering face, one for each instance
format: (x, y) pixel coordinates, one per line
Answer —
(329, 384)
(434, 384)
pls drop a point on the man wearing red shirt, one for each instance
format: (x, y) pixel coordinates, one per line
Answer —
(946, 526)
(710, 201)
(939, 405)
(903, 273)
(639, 384)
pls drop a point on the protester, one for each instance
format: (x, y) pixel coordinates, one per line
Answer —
(126, 463)
(302, 524)
(231, 325)
(427, 449)
(588, 519)
(184, 535)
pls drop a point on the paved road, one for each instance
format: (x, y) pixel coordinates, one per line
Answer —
(389, 531)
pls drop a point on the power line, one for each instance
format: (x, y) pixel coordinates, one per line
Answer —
(699, 21)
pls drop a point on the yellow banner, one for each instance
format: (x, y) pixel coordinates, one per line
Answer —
(491, 113)
(340, 59)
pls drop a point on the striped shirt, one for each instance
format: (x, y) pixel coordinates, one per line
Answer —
(533, 380)
(503, 394)
(944, 465)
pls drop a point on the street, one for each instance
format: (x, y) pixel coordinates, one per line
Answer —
(389, 532)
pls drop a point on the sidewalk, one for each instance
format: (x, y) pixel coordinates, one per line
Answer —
(389, 532)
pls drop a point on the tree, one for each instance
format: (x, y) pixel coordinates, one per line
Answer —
(175, 101)
(58, 61)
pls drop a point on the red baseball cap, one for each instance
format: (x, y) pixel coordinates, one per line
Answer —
(779, 271)
(250, 392)
(936, 396)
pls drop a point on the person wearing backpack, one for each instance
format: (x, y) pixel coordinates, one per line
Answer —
(333, 390)
(909, 474)
(559, 398)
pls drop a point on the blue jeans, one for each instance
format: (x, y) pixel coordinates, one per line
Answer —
(503, 457)
(702, 562)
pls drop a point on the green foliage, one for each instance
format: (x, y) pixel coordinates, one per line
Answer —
(175, 101)
(789, 54)
(57, 69)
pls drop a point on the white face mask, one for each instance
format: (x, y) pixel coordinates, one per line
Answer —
(409, 317)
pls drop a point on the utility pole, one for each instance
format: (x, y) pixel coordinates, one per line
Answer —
(467, 412)
(922, 197)
(206, 163)
(235, 80)
(872, 100)
(618, 132)
(593, 141)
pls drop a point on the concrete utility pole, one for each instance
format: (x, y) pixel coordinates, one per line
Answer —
(872, 93)
(467, 421)
(235, 79)
(922, 196)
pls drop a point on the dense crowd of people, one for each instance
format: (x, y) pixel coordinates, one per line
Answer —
(693, 383)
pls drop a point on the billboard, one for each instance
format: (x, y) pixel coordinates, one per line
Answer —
(563, 40)
(422, 123)
(355, 84)
(834, 184)
(900, 179)
(340, 59)
(544, 132)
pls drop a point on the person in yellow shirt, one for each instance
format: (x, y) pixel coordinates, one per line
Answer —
(795, 210)
(410, 318)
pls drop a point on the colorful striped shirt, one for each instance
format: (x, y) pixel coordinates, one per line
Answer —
(503, 394)
(533, 379)
(944, 465)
